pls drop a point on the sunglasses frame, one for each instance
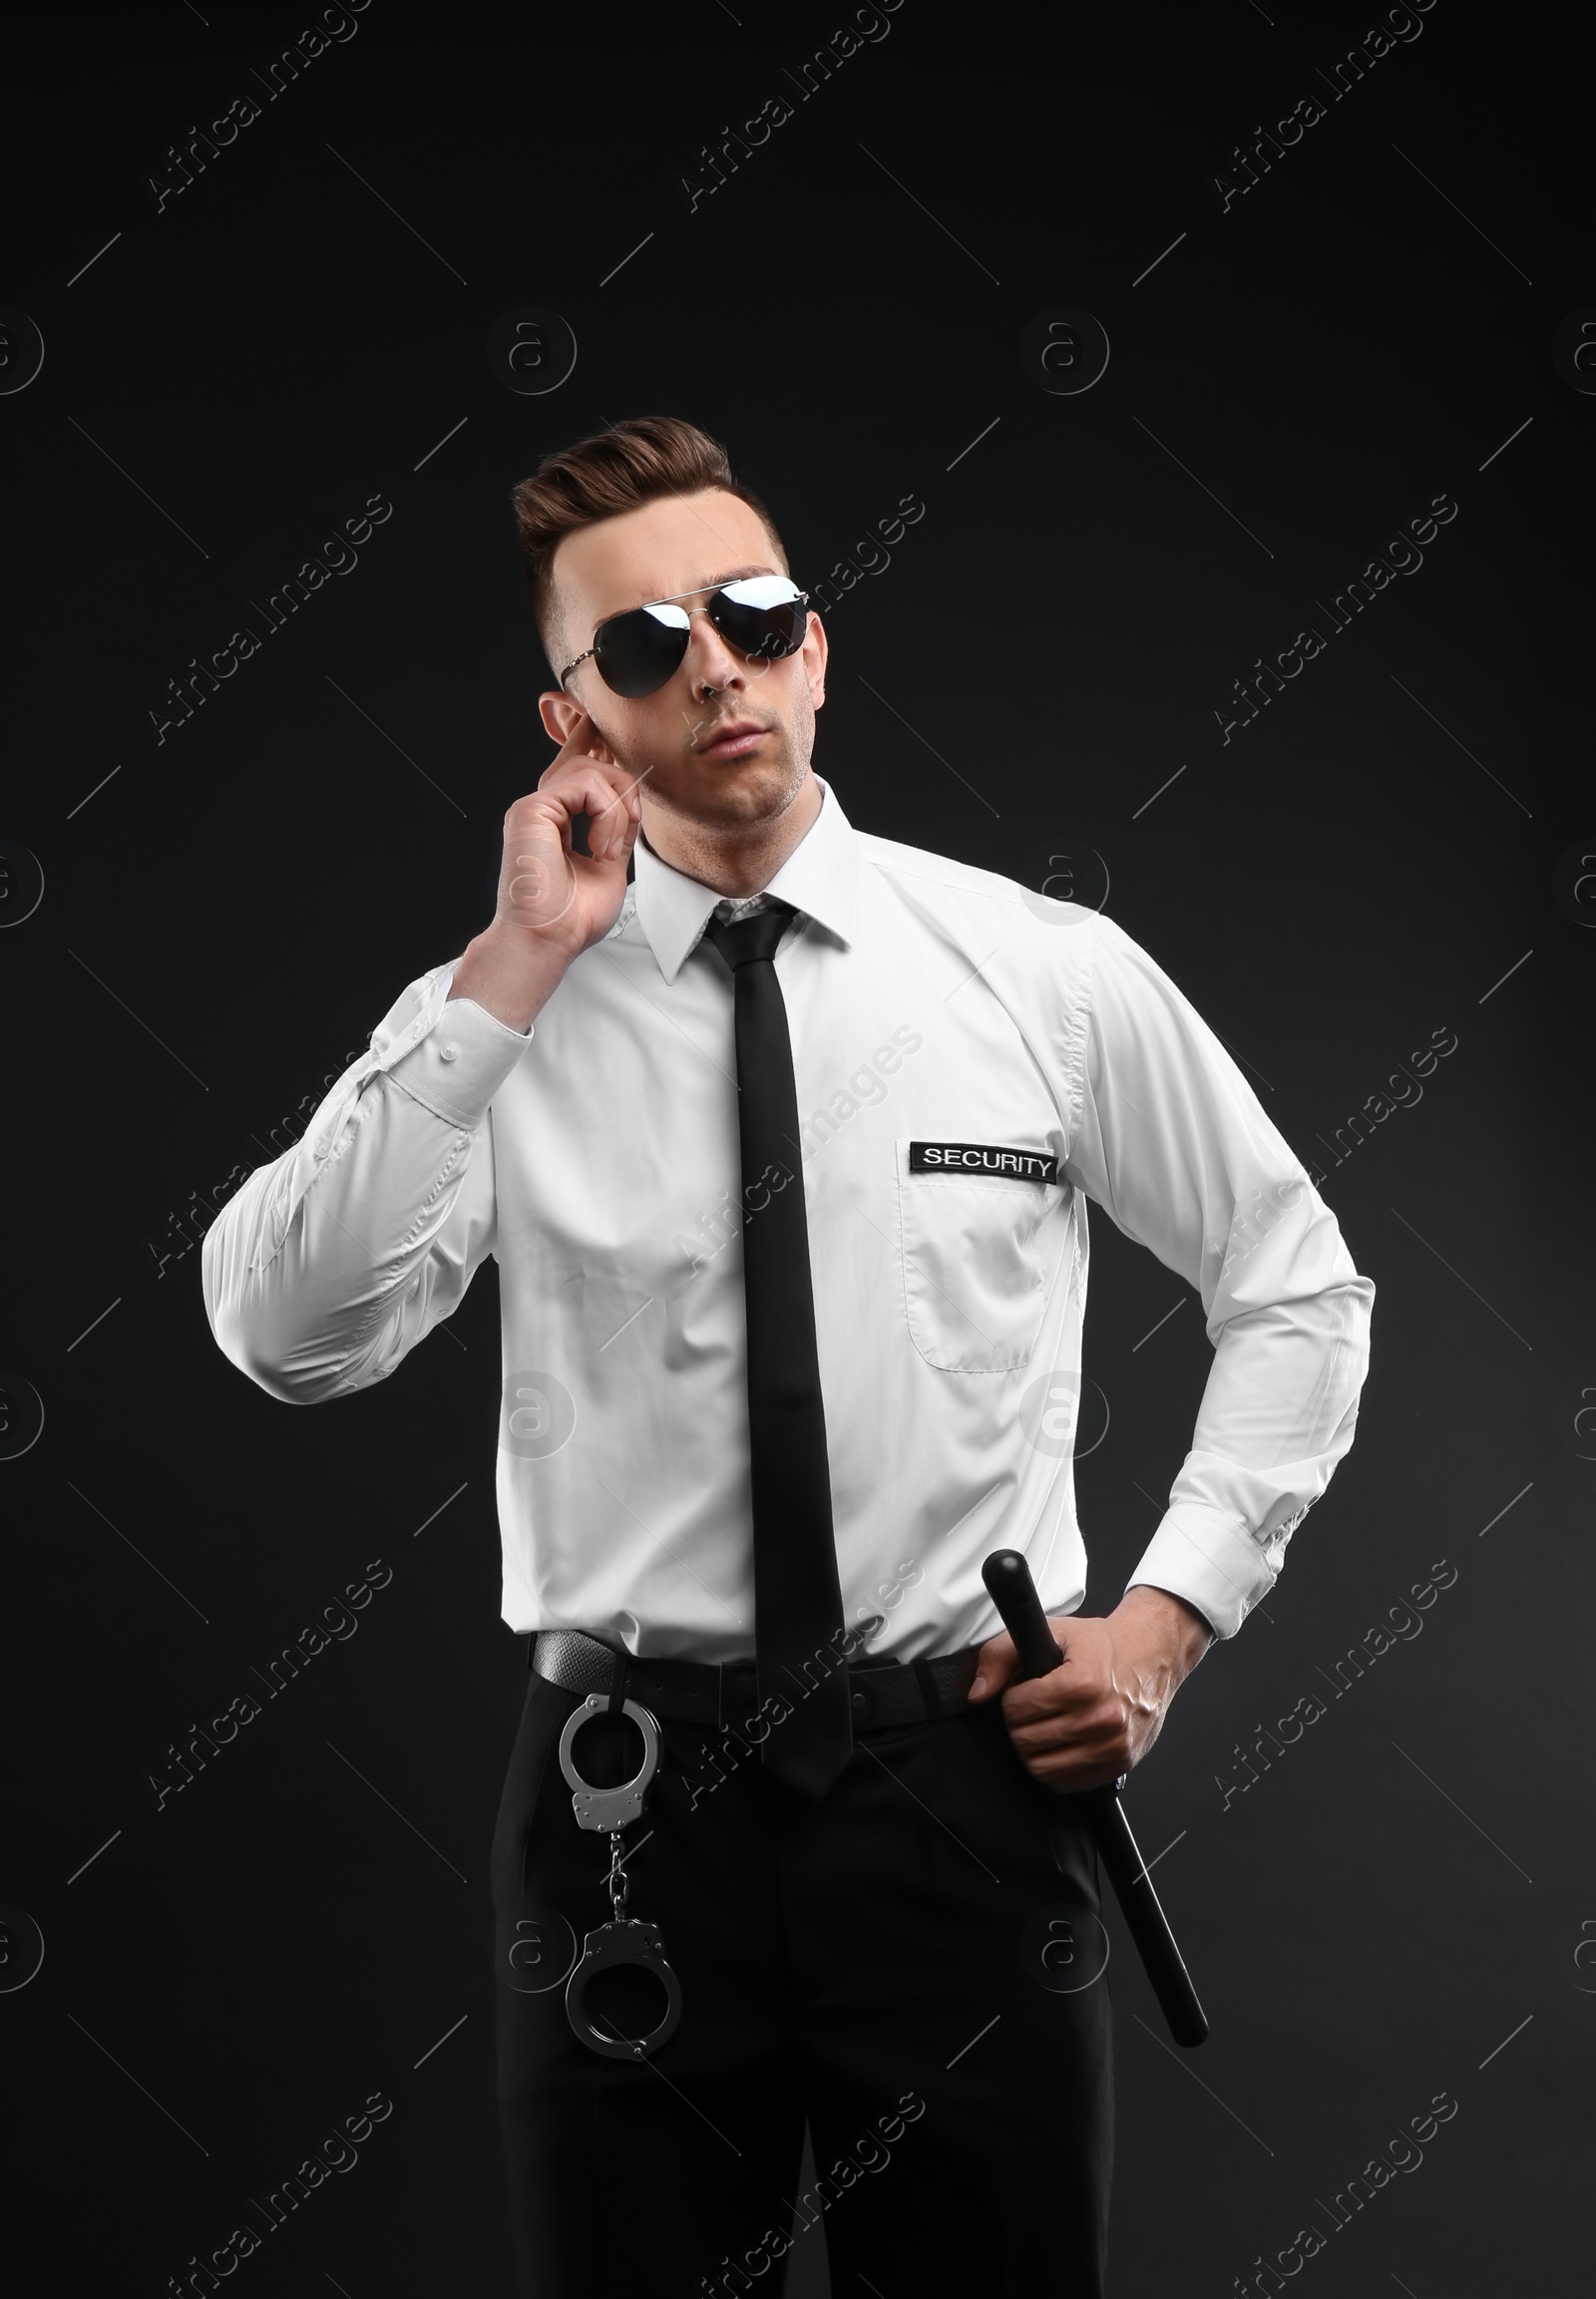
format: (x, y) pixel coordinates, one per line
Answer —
(675, 600)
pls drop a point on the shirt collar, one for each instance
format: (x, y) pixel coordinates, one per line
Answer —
(819, 877)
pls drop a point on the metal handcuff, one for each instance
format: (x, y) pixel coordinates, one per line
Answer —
(624, 1939)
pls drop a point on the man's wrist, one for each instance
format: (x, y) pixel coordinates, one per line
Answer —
(511, 979)
(1180, 1631)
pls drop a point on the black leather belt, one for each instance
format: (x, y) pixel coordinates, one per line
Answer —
(882, 1694)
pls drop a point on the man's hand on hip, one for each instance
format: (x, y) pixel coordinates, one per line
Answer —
(554, 901)
(1097, 1714)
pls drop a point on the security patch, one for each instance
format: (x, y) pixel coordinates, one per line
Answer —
(964, 1157)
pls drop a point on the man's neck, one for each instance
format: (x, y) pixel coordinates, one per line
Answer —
(737, 864)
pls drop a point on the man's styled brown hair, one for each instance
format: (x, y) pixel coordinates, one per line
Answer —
(617, 470)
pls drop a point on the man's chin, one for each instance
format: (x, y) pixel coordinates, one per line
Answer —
(757, 788)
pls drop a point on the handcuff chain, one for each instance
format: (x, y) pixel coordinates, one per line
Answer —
(619, 1881)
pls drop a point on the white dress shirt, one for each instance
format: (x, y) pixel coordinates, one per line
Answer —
(1037, 1057)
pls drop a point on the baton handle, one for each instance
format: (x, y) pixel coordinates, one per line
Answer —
(1014, 1592)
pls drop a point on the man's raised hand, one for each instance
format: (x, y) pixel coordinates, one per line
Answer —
(554, 901)
(544, 884)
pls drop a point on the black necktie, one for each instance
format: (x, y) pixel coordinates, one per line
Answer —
(797, 1599)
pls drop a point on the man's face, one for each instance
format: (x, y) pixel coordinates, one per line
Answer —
(725, 743)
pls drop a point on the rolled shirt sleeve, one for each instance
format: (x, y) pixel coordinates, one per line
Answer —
(330, 1263)
(1174, 1145)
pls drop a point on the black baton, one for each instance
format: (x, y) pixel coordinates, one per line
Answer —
(1014, 1592)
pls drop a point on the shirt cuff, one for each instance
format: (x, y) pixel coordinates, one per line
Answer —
(1211, 1560)
(459, 1063)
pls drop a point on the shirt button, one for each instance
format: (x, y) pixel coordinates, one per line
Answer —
(860, 1700)
(447, 1052)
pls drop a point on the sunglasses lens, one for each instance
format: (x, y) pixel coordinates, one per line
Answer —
(763, 615)
(639, 652)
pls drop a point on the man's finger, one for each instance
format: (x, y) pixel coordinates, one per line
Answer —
(606, 794)
(583, 736)
(998, 1659)
(577, 745)
(614, 811)
(994, 1665)
(620, 785)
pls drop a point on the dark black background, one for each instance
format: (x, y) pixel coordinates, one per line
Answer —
(228, 916)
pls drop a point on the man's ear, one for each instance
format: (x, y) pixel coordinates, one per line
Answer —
(561, 714)
(814, 654)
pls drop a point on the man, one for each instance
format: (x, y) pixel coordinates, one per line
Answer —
(783, 1151)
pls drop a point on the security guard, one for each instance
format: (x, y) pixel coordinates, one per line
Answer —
(782, 1137)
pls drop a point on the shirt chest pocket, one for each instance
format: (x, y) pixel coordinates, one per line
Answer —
(981, 1255)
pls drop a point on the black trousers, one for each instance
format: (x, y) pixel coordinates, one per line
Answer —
(909, 1964)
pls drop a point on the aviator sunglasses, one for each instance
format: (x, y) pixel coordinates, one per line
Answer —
(762, 615)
